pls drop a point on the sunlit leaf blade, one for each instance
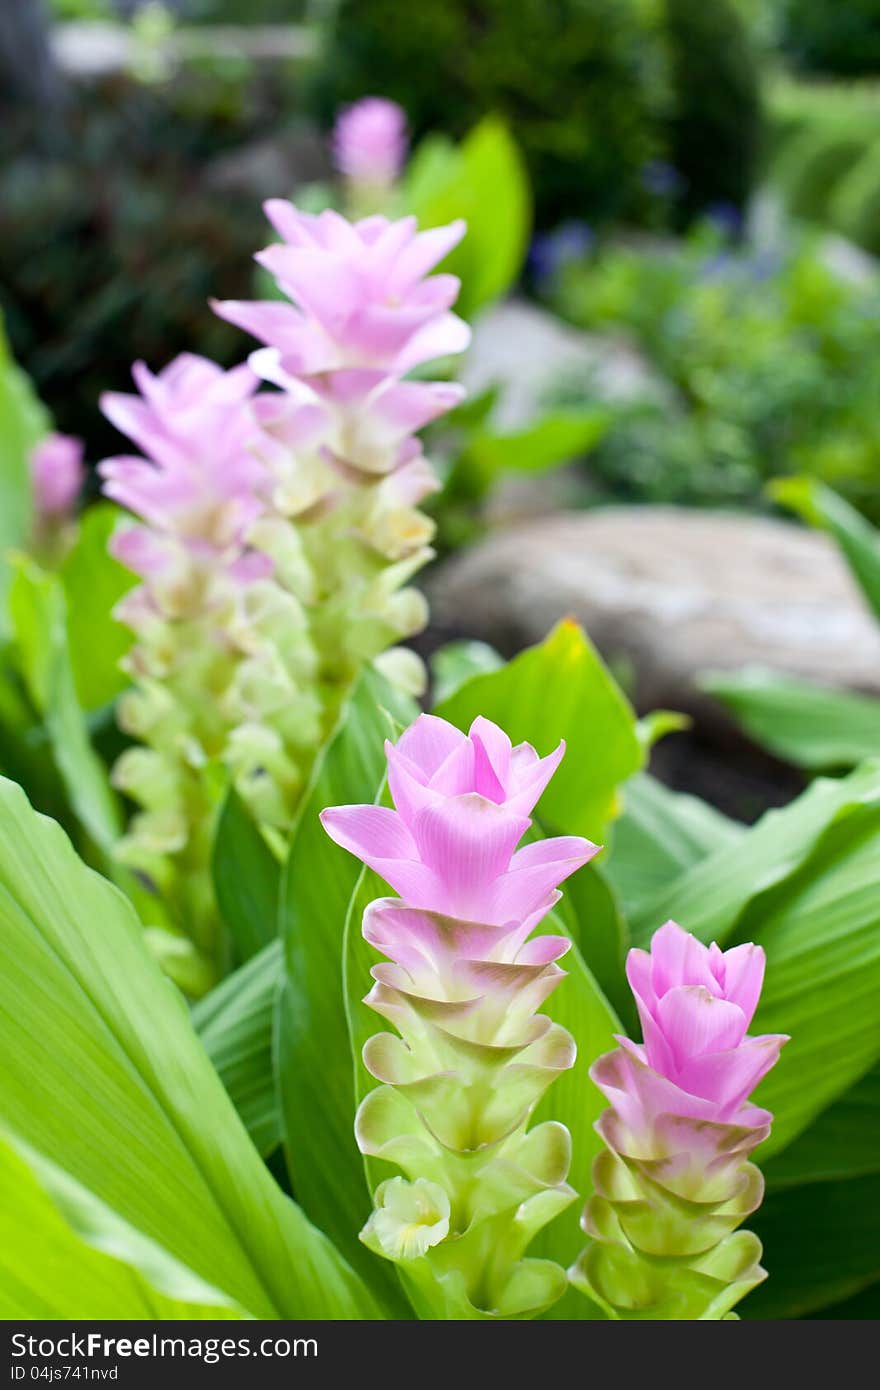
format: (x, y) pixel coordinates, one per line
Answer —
(857, 538)
(821, 932)
(235, 1022)
(39, 616)
(105, 1078)
(814, 726)
(23, 422)
(659, 834)
(708, 898)
(484, 181)
(843, 1142)
(65, 1255)
(94, 582)
(313, 1052)
(561, 689)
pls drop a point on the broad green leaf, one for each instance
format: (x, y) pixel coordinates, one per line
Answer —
(560, 689)
(821, 932)
(821, 1245)
(65, 1255)
(857, 538)
(39, 615)
(592, 915)
(843, 1142)
(104, 1078)
(456, 662)
(862, 1305)
(484, 181)
(660, 834)
(235, 1022)
(813, 726)
(23, 423)
(709, 897)
(547, 443)
(94, 582)
(247, 879)
(313, 1055)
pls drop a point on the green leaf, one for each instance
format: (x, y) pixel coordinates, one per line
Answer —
(104, 1078)
(821, 932)
(94, 582)
(710, 896)
(38, 611)
(23, 423)
(592, 915)
(553, 439)
(456, 662)
(814, 726)
(247, 879)
(659, 834)
(313, 1055)
(844, 1142)
(561, 689)
(484, 181)
(821, 1245)
(235, 1022)
(65, 1255)
(857, 538)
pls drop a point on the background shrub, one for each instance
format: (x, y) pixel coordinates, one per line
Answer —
(574, 79)
(834, 36)
(715, 121)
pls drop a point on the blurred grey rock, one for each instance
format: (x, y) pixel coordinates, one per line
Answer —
(529, 353)
(271, 168)
(669, 592)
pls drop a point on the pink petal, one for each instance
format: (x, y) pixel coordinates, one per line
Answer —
(528, 782)
(467, 841)
(744, 977)
(370, 832)
(534, 872)
(428, 742)
(679, 959)
(727, 1078)
(694, 1021)
(492, 763)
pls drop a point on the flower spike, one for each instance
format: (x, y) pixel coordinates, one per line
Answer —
(674, 1181)
(461, 983)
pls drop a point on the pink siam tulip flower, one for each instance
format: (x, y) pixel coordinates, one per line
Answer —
(201, 478)
(370, 141)
(57, 475)
(675, 1181)
(462, 983)
(462, 806)
(359, 294)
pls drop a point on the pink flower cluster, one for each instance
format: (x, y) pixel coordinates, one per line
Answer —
(198, 485)
(697, 1061)
(363, 315)
(57, 475)
(370, 141)
(462, 806)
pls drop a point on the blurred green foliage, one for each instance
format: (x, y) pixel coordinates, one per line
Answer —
(116, 230)
(595, 92)
(715, 121)
(824, 163)
(774, 361)
(840, 37)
